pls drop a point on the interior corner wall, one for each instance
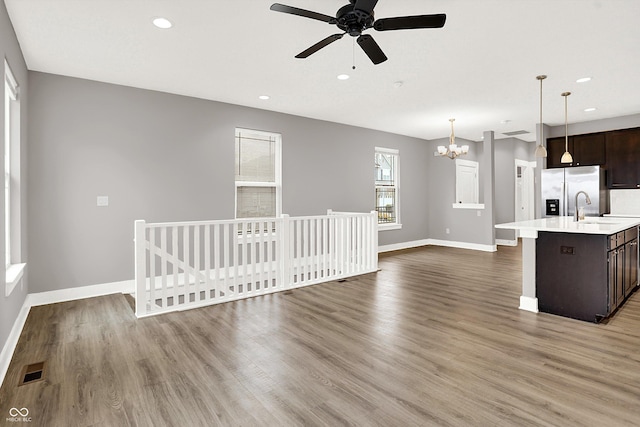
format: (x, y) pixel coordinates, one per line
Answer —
(10, 49)
(162, 157)
(464, 224)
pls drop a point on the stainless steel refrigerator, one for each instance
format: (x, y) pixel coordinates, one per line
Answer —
(560, 185)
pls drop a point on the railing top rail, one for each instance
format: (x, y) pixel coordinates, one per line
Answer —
(212, 222)
(251, 220)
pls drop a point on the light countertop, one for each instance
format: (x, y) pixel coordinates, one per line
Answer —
(565, 224)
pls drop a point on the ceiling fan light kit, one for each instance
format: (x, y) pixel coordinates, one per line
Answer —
(356, 17)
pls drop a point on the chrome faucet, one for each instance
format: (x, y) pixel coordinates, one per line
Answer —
(587, 199)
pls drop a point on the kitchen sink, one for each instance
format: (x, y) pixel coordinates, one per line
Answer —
(598, 221)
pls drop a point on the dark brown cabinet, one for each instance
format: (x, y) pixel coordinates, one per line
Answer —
(555, 150)
(623, 266)
(623, 158)
(586, 150)
(585, 276)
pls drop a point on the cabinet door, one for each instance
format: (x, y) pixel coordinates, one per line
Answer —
(622, 152)
(613, 295)
(630, 266)
(620, 275)
(589, 150)
(555, 150)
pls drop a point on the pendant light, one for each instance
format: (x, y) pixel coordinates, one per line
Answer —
(566, 157)
(452, 151)
(541, 151)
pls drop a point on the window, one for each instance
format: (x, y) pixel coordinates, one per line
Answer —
(387, 164)
(11, 179)
(258, 174)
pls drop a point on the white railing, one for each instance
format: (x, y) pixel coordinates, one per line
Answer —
(184, 265)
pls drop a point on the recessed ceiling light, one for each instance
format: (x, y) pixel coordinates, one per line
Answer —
(398, 84)
(343, 77)
(583, 80)
(163, 23)
(264, 97)
(590, 109)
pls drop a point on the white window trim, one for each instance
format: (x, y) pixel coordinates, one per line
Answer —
(14, 270)
(398, 224)
(278, 172)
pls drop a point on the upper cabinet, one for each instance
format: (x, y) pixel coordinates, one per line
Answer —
(623, 158)
(586, 150)
(617, 151)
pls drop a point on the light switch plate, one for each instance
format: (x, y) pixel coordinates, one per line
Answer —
(102, 201)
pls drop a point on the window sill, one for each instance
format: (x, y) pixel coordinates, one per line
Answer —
(386, 227)
(468, 206)
(12, 277)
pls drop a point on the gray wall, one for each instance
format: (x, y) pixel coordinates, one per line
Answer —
(9, 49)
(464, 225)
(506, 151)
(162, 157)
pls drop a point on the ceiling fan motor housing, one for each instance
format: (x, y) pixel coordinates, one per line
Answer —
(353, 21)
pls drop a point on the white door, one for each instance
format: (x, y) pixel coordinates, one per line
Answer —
(524, 209)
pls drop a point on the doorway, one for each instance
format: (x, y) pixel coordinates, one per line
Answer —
(525, 203)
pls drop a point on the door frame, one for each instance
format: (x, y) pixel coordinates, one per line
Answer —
(530, 167)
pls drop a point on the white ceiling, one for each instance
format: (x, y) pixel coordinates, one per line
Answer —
(480, 68)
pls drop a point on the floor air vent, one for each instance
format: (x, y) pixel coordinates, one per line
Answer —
(32, 373)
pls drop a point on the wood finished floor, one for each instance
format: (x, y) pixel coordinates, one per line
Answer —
(434, 338)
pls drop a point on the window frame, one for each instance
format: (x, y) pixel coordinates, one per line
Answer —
(276, 138)
(396, 179)
(12, 246)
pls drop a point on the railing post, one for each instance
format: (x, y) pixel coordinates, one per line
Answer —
(140, 267)
(374, 243)
(285, 255)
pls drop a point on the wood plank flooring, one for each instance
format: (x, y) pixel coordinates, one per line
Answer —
(434, 338)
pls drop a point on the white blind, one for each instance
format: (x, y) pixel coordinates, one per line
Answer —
(256, 202)
(255, 158)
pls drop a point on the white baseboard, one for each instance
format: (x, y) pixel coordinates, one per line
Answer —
(435, 242)
(529, 304)
(463, 245)
(504, 242)
(403, 245)
(70, 294)
(12, 340)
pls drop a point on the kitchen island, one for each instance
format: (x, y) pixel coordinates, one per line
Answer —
(584, 269)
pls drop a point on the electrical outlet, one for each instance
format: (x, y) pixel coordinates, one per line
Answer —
(479, 213)
(102, 201)
(446, 230)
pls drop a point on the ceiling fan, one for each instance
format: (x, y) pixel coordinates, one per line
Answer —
(357, 17)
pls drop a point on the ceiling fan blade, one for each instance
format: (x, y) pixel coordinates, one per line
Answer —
(302, 12)
(365, 5)
(371, 48)
(410, 22)
(316, 47)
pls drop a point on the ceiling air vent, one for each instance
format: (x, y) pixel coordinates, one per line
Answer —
(515, 132)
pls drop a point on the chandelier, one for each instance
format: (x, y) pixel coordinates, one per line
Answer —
(452, 151)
